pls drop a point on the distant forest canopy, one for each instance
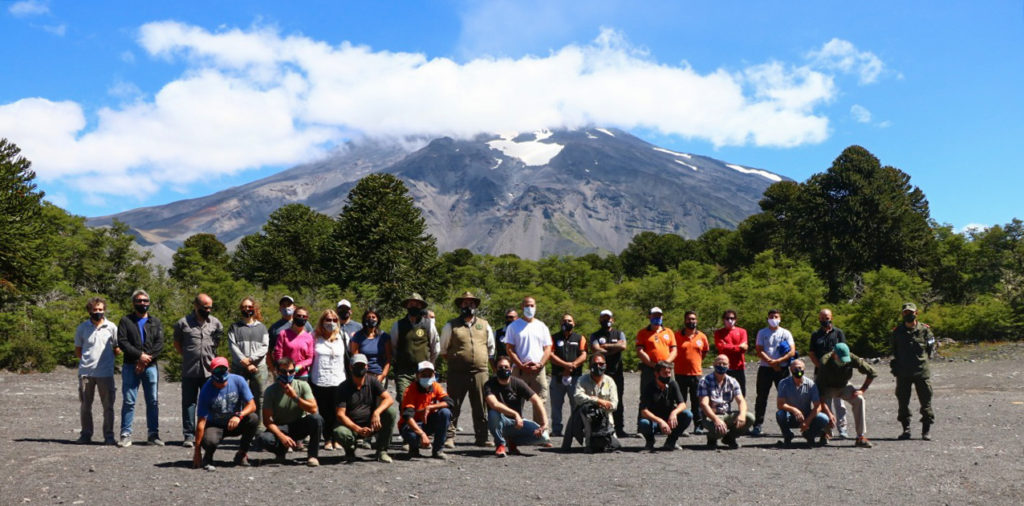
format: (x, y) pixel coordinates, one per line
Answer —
(857, 238)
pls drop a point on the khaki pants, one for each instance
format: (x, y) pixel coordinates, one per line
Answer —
(87, 387)
(857, 403)
(537, 381)
(471, 383)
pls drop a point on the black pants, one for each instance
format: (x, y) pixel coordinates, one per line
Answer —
(646, 379)
(688, 385)
(620, 386)
(309, 425)
(766, 377)
(212, 436)
(741, 376)
(325, 407)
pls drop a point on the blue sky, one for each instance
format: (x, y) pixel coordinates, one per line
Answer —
(126, 104)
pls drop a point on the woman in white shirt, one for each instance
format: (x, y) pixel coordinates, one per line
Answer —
(328, 371)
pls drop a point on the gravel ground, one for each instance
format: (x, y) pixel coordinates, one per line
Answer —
(977, 456)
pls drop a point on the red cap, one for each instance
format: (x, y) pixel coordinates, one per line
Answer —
(218, 362)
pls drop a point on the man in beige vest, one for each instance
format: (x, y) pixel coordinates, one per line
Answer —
(467, 344)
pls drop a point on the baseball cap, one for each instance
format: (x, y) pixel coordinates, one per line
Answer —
(358, 358)
(218, 362)
(286, 298)
(909, 306)
(425, 366)
(655, 309)
(606, 312)
(344, 302)
(843, 352)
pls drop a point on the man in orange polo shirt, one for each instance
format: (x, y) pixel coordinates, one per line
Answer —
(692, 347)
(425, 407)
(654, 343)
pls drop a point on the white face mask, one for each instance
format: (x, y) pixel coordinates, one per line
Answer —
(774, 322)
(529, 311)
(330, 326)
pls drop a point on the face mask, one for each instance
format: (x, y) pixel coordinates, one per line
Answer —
(721, 369)
(729, 323)
(359, 372)
(825, 323)
(606, 324)
(220, 376)
(691, 325)
(414, 312)
(426, 383)
(369, 323)
(141, 308)
(299, 322)
(664, 379)
(567, 327)
(598, 370)
(97, 316)
(203, 312)
(287, 311)
(248, 313)
(286, 378)
(529, 311)
(774, 322)
(344, 315)
(656, 321)
(467, 312)
(504, 374)
(799, 373)
(330, 326)
(909, 318)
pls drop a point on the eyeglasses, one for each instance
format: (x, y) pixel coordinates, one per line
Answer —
(141, 301)
(248, 307)
(730, 319)
(290, 371)
(335, 320)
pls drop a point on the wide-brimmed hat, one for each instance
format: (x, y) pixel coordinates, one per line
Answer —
(466, 295)
(415, 297)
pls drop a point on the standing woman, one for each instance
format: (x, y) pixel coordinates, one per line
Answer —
(328, 371)
(297, 344)
(249, 341)
(375, 344)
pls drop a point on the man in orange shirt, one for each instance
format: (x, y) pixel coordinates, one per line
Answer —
(731, 341)
(692, 347)
(654, 343)
(425, 406)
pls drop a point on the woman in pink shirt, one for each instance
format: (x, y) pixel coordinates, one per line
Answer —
(297, 344)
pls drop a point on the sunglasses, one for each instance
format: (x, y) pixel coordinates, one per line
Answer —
(335, 320)
(142, 301)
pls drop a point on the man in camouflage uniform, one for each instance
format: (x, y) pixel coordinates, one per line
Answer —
(912, 343)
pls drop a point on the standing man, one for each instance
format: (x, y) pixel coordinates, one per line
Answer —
(654, 343)
(196, 337)
(225, 408)
(833, 380)
(823, 341)
(141, 338)
(799, 405)
(775, 347)
(912, 343)
(612, 342)
(287, 308)
(662, 409)
(499, 337)
(95, 347)
(567, 357)
(731, 341)
(528, 343)
(693, 346)
(348, 326)
(717, 391)
(414, 339)
(467, 343)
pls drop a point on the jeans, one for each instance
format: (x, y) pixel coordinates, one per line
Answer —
(649, 429)
(347, 438)
(130, 381)
(505, 432)
(309, 425)
(787, 422)
(189, 395)
(766, 377)
(558, 392)
(436, 427)
(212, 436)
(87, 388)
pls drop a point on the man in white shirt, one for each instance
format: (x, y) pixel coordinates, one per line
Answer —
(775, 348)
(528, 342)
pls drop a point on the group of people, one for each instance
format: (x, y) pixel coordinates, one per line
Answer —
(318, 387)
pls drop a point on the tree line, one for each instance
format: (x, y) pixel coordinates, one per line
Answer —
(857, 238)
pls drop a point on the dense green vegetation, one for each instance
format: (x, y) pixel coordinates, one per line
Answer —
(857, 238)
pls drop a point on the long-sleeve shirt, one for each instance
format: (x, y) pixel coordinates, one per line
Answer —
(833, 375)
(727, 342)
(297, 346)
(248, 341)
(587, 390)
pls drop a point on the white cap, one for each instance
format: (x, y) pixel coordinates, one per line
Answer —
(359, 358)
(606, 312)
(655, 309)
(425, 366)
(344, 302)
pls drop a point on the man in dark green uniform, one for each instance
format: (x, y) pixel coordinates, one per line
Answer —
(413, 339)
(912, 343)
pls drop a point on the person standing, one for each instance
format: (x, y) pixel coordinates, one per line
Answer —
(654, 343)
(499, 337)
(912, 343)
(799, 405)
(775, 347)
(567, 358)
(196, 337)
(414, 339)
(717, 392)
(328, 371)
(373, 344)
(345, 321)
(692, 346)
(528, 343)
(141, 338)
(731, 341)
(467, 343)
(95, 348)
(823, 341)
(249, 340)
(297, 343)
(286, 306)
(611, 341)
(225, 408)
(833, 380)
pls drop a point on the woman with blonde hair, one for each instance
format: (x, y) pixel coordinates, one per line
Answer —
(249, 341)
(328, 371)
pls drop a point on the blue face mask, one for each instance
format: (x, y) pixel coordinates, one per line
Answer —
(286, 378)
(721, 369)
(220, 375)
(656, 320)
(426, 383)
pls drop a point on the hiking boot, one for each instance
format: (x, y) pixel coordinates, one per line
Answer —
(382, 456)
(414, 451)
(501, 451)
(154, 440)
(449, 443)
(439, 455)
(362, 443)
(84, 440)
(756, 431)
(823, 441)
(483, 443)
(862, 442)
(110, 441)
(649, 443)
(731, 442)
(905, 435)
(925, 431)
(712, 442)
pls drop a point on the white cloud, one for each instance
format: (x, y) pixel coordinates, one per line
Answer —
(860, 113)
(127, 56)
(252, 98)
(973, 228)
(58, 30)
(841, 55)
(26, 8)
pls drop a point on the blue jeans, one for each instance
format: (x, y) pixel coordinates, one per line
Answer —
(189, 396)
(504, 430)
(130, 390)
(649, 429)
(787, 422)
(436, 427)
(559, 391)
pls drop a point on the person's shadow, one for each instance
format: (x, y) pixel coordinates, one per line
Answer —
(57, 441)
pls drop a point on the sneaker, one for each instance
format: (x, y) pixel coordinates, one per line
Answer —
(621, 434)
(188, 443)
(905, 435)
(125, 442)
(328, 446)
(731, 442)
(242, 460)
(155, 440)
(449, 443)
(698, 431)
(756, 431)
(863, 442)
(313, 462)
(414, 451)
(483, 443)
(843, 434)
(364, 444)
(823, 441)
(439, 455)
(209, 467)
(670, 446)
(501, 451)
(83, 440)
(384, 457)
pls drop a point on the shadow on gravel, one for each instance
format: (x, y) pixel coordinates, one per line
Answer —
(184, 464)
(57, 441)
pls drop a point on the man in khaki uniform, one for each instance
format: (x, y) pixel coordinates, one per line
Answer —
(467, 344)
(413, 340)
(912, 342)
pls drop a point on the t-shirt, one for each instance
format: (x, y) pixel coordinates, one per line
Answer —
(97, 345)
(824, 342)
(141, 322)
(512, 395)
(374, 349)
(415, 400)
(801, 397)
(528, 339)
(657, 343)
(769, 340)
(285, 409)
(218, 405)
(359, 403)
(719, 396)
(690, 351)
(613, 360)
(727, 342)
(661, 402)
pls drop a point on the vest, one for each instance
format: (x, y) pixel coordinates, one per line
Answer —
(413, 345)
(568, 350)
(467, 346)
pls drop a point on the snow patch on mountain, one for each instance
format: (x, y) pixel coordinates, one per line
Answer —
(673, 153)
(604, 131)
(533, 153)
(680, 162)
(763, 173)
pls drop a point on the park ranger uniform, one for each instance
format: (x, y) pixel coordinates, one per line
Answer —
(467, 347)
(910, 350)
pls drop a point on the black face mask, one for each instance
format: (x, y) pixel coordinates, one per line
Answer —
(691, 325)
(202, 311)
(606, 324)
(799, 373)
(467, 312)
(909, 318)
(248, 313)
(665, 379)
(598, 370)
(299, 322)
(141, 308)
(504, 373)
(415, 312)
(344, 315)
(369, 323)
(359, 372)
(567, 327)
(825, 323)
(97, 316)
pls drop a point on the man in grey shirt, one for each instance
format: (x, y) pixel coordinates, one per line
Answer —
(95, 347)
(196, 337)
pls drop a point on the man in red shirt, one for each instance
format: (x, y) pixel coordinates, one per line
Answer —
(654, 343)
(425, 407)
(731, 341)
(692, 346)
